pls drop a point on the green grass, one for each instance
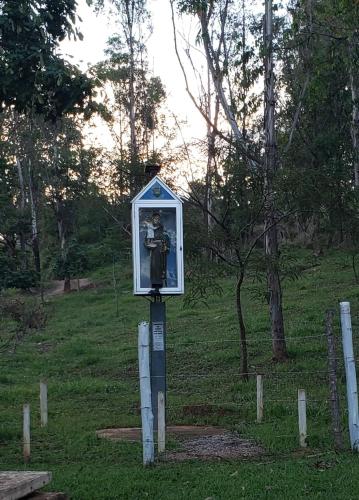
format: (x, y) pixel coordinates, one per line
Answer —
(89, 357)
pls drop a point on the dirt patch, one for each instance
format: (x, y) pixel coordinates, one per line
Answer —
(57, 286)
(195, 442)
(223, 446)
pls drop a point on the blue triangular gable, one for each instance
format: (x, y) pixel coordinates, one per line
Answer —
(156, 192)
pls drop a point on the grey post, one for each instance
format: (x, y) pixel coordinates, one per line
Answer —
(302, 417)
(26, 432)
(158, 354)
(350, 374)
(145, 389)
(259, 398)
(43, 403)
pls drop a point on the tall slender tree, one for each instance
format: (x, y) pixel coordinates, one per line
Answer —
(270, 170)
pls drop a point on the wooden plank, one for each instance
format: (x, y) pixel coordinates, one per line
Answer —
(14, 485)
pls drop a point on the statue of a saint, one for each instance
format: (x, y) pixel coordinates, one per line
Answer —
(158, 243)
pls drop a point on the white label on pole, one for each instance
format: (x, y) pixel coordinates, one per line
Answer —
(158, 340)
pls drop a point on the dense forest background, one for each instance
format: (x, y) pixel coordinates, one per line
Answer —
(280, 99)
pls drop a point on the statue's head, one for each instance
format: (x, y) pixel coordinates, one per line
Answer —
(156, 218)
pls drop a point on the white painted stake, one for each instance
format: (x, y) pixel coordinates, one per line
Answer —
(350, 374)
(26, 432)
(145, 389)
(302, 417)
(259, 398)
(43, 403)
(161, 422)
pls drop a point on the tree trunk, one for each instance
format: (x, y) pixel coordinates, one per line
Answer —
(354, 86)
(212, 58)
(62, 239)
(22, 211)
(279, 348)
(34, 222)
(244, 73)
(132, 103)
(211, 158)
(59, 211)
(242, 328)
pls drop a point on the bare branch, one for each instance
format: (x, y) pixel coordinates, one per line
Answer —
(212, 59)
(193, 99)
(222, 257)
(122, 226)
(297, 114)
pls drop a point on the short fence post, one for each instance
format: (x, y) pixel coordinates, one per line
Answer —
(302, 418)
(350, 374)
(26, 432)
(145, 389)
(333, 388)
(43, 403)
(161, 422)
(259, 398)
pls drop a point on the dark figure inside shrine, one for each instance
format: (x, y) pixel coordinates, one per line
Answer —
(158, 242)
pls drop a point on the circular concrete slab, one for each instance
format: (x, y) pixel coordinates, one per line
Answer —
(175, 431)
(195, 442)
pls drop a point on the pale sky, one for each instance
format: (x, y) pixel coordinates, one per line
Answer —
(96, 29)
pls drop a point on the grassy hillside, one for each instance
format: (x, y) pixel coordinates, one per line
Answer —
(89, 357)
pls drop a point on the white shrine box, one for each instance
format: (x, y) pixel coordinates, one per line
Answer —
(157, 240)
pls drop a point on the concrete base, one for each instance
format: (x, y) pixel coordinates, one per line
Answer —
(175, 431)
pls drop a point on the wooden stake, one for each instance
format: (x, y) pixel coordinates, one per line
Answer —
(161, 422)
(333, 389)
(43, 403)
(302, 417)
(259, 398)
(26, 432)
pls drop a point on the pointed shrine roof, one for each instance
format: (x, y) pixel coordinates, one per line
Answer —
(156, 190)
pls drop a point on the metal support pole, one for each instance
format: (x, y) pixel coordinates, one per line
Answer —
(158, 354)
(350, 374)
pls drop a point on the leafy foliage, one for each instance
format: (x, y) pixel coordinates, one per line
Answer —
(33, 77)
(203, 283)
(26, 314)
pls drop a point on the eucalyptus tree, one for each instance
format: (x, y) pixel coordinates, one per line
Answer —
(319, 157)
(137, 94)
(339, 20)
(135, 110)
(233, 60)
(10, 222)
